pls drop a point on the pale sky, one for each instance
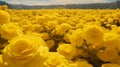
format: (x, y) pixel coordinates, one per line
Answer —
(49, 2)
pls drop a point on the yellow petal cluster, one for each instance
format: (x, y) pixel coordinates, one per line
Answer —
(108, 54)
(55, 60)
(76, 38)
(67, 50)
(25, 51)
(61, 29)
(4, 17)
(59, 37)
(93, 34)
(10, 30)
(111, 39)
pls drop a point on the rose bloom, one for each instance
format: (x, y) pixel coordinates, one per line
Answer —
(55, 60)
(25, 51)
(4, 17)
(50, 25)
(111, 39)
(67, 50)
(76, 38)
(61, 29)
(108, 54)
(10, 30)
(93, 34)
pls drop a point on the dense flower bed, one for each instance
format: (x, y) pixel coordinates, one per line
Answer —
(59, 38)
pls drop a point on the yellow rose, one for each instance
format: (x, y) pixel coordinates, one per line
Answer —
(93, 34)
(10, 30)
(35, 27)
(61, 29)
(67, 50)
(111, 39)
(55, 60)
(25, 51)
(76, 38)
(4, 17)
(50, 25)
(108, 54)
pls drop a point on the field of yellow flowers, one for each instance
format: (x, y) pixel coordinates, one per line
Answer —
(59, 38)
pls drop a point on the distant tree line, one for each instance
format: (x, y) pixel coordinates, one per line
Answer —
(112, 5)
